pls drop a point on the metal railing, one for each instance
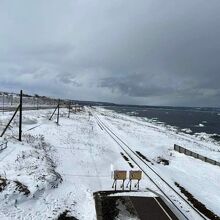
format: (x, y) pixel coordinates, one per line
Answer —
(195, 155)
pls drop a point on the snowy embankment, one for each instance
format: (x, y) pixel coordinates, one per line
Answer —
(156, 141)
(57, 168)
(61, 166)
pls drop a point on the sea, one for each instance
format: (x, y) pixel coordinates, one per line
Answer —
(185, 119)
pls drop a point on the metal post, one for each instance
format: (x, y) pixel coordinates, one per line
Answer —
(69, 109)
(58, 112)
(10, 121)
(11, 99)
(3, 103)
(53, 112)
(37, 103)
(20, 117)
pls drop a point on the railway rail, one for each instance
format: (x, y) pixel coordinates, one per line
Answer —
(161, 184)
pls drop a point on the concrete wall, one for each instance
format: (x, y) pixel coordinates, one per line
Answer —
(195, 155)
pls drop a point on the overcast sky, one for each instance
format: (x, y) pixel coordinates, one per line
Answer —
(152, 52)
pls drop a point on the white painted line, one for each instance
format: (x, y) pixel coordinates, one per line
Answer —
(162, 208)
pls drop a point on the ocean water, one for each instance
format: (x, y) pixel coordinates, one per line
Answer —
(188, 120)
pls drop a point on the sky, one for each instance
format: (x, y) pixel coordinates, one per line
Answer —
(147, 52)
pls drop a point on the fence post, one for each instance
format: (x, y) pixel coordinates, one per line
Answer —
(20, 117)
(58, 112)
(3, 103)
(11, 99)
(37, 103)
(69, 109)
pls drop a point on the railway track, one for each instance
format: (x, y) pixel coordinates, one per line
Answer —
(166, 190)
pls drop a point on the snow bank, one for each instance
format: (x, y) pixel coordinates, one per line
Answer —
(62, 166)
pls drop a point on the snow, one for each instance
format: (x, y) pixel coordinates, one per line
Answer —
(187, 130)
(83, 155)
(155, 140)
(83, 158)
(123, 213)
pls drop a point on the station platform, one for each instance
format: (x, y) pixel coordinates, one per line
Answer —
(112, 205)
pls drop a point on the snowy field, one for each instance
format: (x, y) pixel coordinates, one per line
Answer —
(58, 167)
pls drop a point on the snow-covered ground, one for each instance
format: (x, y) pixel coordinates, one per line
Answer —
(59, 167)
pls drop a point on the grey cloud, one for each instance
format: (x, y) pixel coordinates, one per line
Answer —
(67, 78)
(145, 52)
